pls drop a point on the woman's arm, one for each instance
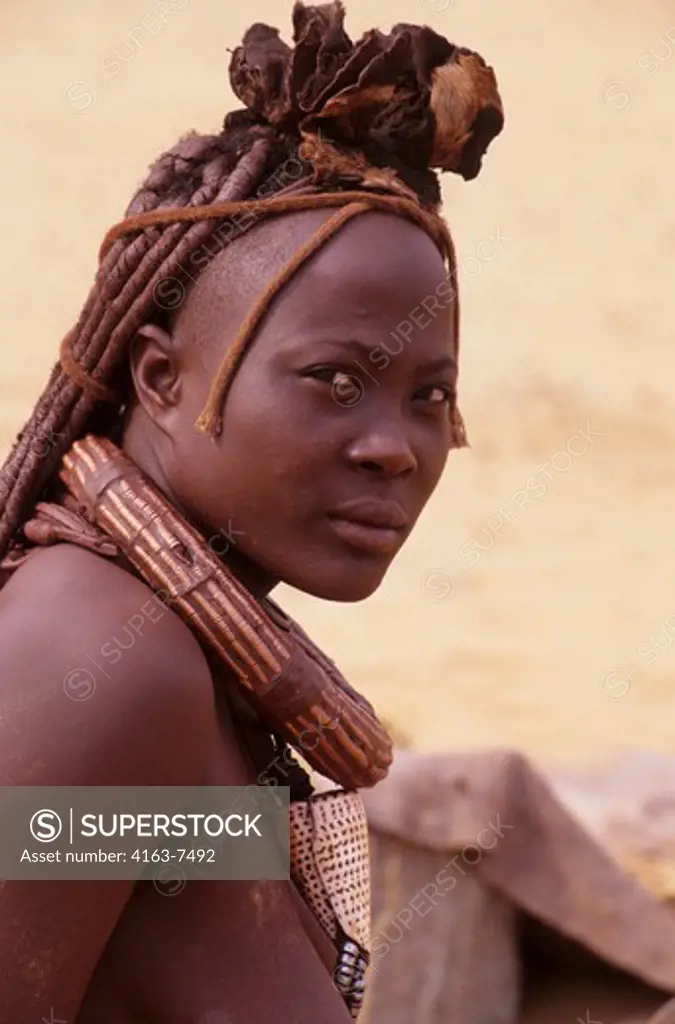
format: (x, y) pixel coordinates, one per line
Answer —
(146, 719)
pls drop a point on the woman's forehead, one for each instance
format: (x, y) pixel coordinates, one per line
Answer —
(374, 271)
(373, 247)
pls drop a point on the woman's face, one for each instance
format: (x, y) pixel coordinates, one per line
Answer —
(336, 427)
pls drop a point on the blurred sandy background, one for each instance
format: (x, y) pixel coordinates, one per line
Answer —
(548, 638)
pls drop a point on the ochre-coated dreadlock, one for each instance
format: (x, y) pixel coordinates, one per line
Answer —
(327, 123)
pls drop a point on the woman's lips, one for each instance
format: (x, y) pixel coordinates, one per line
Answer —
(378, 540)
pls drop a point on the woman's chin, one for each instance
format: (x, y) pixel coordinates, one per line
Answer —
(346, 587)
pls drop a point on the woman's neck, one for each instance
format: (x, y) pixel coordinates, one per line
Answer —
(137, 445)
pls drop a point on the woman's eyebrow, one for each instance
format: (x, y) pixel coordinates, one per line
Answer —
(362, 348)
(436, 365)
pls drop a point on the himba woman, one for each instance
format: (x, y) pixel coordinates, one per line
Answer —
(261, 387)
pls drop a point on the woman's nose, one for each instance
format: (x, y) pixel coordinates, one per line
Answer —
(384, 452)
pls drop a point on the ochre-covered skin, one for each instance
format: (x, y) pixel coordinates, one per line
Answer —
(296, 452)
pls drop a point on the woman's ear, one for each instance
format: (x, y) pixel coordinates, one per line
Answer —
(155, 369)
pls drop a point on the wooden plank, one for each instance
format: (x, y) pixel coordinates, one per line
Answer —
(445, 946)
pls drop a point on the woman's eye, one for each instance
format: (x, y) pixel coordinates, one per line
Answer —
(436, 394)
(346, 388)
(328, 374)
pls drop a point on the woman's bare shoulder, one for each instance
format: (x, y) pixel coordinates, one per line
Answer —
(96, 668)
(73, 713)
